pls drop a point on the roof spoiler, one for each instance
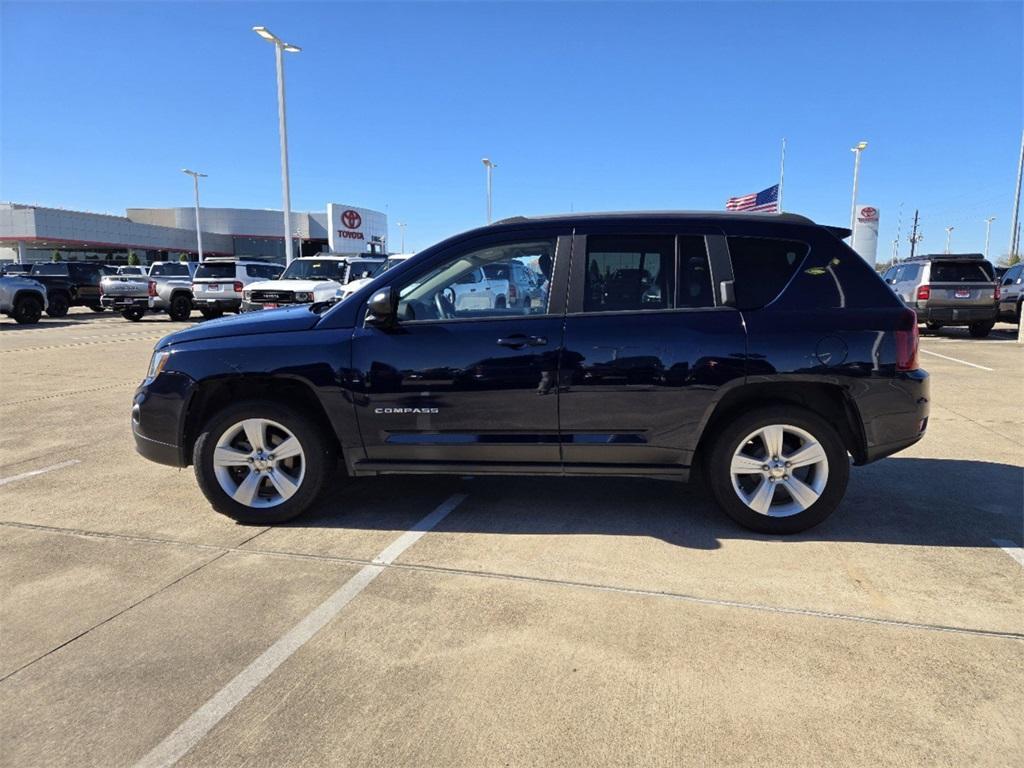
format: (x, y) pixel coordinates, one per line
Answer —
(841, 232)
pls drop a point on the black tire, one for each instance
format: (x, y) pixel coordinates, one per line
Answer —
(133, 314)
(980, 330)
(318, 453)
(27, 309)
(97, 308)
(718, 475)
(210, 314)
(1020, 308)
(181, 308)
(932, 326)
(57, 305)
(499, 303)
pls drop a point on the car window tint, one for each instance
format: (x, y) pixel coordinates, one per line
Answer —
(456, 289)
(958, 272)
(218, 271)
(694, 274)
(49, 269)
(172, 269)
(762, 267)
(628, 273)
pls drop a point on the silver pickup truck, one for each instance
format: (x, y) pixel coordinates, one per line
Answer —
(167, 288)
(22, 298)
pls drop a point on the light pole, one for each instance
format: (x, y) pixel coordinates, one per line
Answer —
(401, 228)
(949, 236)
(490, 168)
(988, 231)
(280, 46)
(196, 175)
(861, 146)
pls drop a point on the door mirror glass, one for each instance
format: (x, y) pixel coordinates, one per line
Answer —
(381, 308)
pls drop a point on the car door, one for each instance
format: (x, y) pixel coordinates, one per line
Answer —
(454, 382)
(648, 342)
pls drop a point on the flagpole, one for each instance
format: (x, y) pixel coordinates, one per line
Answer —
(782, 172)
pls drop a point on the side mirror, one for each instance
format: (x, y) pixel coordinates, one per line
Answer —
(382, 308)
(891, 281)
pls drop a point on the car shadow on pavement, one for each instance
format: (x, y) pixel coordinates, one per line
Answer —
(915, 502)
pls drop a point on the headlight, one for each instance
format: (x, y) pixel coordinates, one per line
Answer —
(247, 295)
(156, 365)
(303, 296)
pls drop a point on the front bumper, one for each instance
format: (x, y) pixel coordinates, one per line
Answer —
(956, 315)
(159, 408)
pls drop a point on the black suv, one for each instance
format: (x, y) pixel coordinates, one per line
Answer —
(757, 349)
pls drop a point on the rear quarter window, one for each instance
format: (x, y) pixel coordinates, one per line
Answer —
(762, 267)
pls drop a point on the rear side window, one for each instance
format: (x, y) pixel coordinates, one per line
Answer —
(959, 272)
(629, 273)
(762, 267)
(263, 271)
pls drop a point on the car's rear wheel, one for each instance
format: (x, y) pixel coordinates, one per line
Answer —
(97, 308)
(778, 469)
(27, 309)
(132, 314)
(260, 462)
(933, 326)
(980, 330)
(57, 305)
(180, 308)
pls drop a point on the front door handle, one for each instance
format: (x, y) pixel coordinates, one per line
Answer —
(519, 340)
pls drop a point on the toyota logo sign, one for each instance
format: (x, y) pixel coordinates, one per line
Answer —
(867, 213)
(351, 219)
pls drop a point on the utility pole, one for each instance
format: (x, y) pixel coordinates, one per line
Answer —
(1014, 231)
(914, 237)
(988, 232)
(949, 236)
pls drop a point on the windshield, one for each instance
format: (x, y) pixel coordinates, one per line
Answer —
(315, 269)
(959, 272)
(169, 269)
(360, 268)
(221, 271)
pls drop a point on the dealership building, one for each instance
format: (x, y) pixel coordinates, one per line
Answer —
(30, 233)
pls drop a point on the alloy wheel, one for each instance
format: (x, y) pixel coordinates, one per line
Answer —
(779, 470)
(259, 463)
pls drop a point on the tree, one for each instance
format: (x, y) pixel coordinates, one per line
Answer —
(183, 257)
(57, 256)
(133, 260)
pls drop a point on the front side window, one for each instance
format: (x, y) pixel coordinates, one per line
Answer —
(460, 288)
(762, 267)
(628, 273)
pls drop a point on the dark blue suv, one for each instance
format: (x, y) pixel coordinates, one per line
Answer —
(756, 349)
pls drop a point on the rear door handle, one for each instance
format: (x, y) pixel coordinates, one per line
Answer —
(519, 340)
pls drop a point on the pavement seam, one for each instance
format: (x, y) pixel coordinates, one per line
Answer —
(636, 591)
(110, 618)
(70, 394)
(976, 423)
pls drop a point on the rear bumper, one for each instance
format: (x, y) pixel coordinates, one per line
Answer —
(896, 417)
(124, 302)
(956, 315)
(224, 305)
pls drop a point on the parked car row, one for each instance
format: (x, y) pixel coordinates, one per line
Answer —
(957, 290)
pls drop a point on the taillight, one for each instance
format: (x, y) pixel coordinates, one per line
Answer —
(997, 293)
(238, 286)
(924, 292)
(513, 292)
(907, 342)
(152, 288)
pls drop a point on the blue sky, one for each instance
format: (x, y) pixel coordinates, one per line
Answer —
(584, 106)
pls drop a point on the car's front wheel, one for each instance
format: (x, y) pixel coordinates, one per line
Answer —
(27, 309)
(779, 469)
(57, 306)
(132, 313)
(260, 462)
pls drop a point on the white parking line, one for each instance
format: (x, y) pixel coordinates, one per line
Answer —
(34, 472)
(1010, 548)
(189, 733)
(956, 360)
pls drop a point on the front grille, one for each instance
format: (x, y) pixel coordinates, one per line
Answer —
(274, 297)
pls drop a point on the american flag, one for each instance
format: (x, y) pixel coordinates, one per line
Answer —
(766, 200)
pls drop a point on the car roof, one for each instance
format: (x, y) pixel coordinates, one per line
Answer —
(948, 257)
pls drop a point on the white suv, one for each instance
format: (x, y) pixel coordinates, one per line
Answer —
(219, 283)
(310, 279)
